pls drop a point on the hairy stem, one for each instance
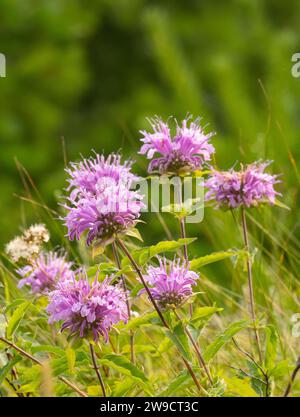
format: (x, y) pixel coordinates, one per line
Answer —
(250, 284)
(197, 350)
(131, 337)
(93, 355)
(165, 324)
(38, 362)
(292, 379)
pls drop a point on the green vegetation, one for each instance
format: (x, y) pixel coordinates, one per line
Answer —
(82, 78)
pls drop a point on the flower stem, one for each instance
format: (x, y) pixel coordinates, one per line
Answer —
(38, 362)
(250, 283)
(137, 268)
(183, 234)
(197, 349)
(249, 356)
(97, 369)
(192, 373)
(182, 223)
(131, 337)
(163, 320)
(292, 379)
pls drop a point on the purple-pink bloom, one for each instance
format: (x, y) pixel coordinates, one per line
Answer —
(104, 215)
(101, 202)
(185, 152)
(170, 283)
(87, 309)
(44, 272)
(89, 175)
(248, 187)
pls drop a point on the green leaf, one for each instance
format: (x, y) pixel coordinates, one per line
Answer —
(48, 349)
(176, 383)
(122, 387)
(180, 211)
(104, 268)
(201, 313)
(258, 380)
(137, 322)
(271, 347)
(94, 391)
(4, 370)
(280, 369)
(142, 256)
(281, 205)
(14, 304)
(29, 373)
(124, 366)
(29, 388)
(59, 366)
(16, 318)
(165, 345)
(136, 289)
(197, 263)
(97, 250)
(165, 246)
(223, 338)
(240, 387)
(180, 340)
(134, 233)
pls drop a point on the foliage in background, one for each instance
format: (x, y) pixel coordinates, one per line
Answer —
(92, 75)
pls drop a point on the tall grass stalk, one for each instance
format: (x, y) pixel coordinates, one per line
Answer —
(250, 284)
(131, 336)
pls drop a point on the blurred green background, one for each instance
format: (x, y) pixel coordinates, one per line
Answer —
(92, 72)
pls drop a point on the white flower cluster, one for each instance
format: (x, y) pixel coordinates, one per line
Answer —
(28, 245)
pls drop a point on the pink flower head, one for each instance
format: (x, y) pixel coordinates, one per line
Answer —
(87, 309)
(89, 175)
(104, 215)
(44, 272)
(185, 152)
(250, 187)
(171, 282)
(101, 202)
